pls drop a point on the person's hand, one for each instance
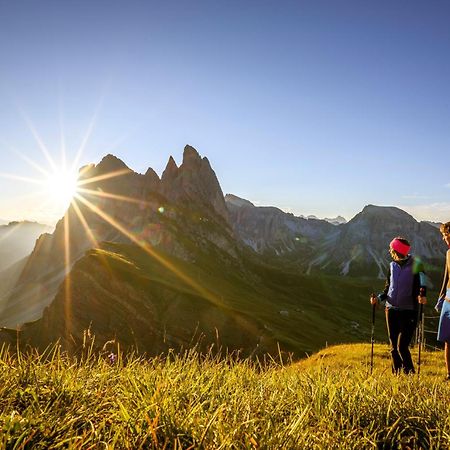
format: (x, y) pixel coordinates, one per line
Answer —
(373, 299)
(422, 299)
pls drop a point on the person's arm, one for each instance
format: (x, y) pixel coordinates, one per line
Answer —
(382, 296)
(446, 275)
(441, 297)
(420, 281)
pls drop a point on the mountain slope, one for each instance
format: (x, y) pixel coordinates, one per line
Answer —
(122, 292)
(268, 229)
(17, 240)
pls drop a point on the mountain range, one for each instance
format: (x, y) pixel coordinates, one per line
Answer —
(169, 262)
(358, 247)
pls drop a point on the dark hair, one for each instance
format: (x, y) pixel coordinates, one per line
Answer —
(445, 228)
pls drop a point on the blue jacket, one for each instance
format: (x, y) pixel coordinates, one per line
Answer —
(404, 281)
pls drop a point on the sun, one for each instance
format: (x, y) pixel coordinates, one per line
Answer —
(61, 186)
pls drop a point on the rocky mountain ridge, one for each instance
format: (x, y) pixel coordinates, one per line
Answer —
(116, 204)
(358, 247)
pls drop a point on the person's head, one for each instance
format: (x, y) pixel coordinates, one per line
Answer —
(399, 248)
(445, 231)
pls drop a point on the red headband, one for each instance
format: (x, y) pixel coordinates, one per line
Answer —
(400, 247)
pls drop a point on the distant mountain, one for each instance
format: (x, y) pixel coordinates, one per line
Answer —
(362, 244)
(335, 221)
(434, 224)
(17, 240)
(339, 220)
(266, 228)
(358, 247)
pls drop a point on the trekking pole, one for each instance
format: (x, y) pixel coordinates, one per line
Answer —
(420, 332)
(372, 336)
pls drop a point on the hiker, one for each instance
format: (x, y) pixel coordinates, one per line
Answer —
(405, 287)
(443, 303)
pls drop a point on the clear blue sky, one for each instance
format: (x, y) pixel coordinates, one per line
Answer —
(317, 107)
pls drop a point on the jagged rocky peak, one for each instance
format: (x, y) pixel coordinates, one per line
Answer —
(170, 171)
(151, 173)
(194, 180)
(231, 199)
(111, 163)
(193, 162)
(190, 155)
(152, 176)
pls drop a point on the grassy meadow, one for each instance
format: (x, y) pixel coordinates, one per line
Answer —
(329, 400)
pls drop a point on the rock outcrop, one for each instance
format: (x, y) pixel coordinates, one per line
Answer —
(194, 182)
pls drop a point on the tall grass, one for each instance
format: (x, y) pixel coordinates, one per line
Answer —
(202, 401)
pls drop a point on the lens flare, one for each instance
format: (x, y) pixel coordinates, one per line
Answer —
(61, 186)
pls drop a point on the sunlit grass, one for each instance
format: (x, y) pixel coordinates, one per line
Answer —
(193, 401)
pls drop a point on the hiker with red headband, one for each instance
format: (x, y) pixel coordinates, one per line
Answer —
(405, 288)
(443, 304)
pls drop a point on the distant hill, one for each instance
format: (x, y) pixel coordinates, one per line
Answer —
(17, 239)
(333, 220)
(339, 220)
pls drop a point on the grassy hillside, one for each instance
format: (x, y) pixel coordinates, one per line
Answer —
(191, 401)
(121, 292)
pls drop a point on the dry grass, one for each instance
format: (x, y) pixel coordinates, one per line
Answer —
(192, 401)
